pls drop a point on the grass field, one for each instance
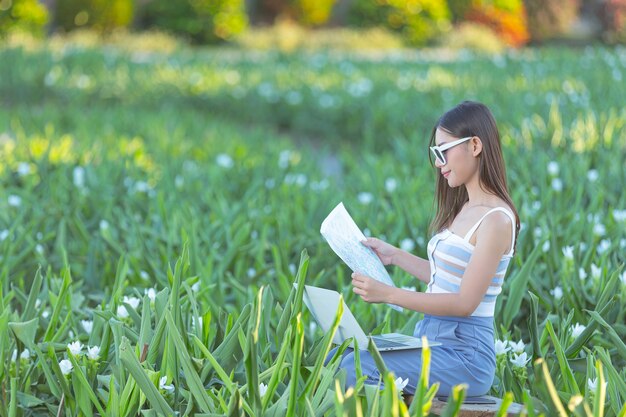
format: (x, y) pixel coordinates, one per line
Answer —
(156, 207)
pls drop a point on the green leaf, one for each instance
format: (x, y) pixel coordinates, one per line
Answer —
(518, 286)
(25, 332)
(141, 378)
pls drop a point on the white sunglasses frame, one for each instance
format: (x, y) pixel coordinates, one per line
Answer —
(441, 149)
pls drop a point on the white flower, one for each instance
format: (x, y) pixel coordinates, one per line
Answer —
(93, 353)
(87, 325)
(553, 168)
(592, 384)
(557, 292)
(400, 383)
(582, 274)
(45, 314)
(4, 234)
(391, 184)
(78, 176)
(262, 389)
(537, 232)
(39, 248)
(122, 312)
(25, 354)
(568, 252)
(104, 225)
(132, 301)
(501, 347)
(15, 200)
(163, 386)
(66, 366)
(292, 269)
(624, 278)
(577, 329)
(536, 205)
(599, 229)
(365, 197)
(23, 169)
(251, 272)
(14, 355)
(592, 175)
(284, 158)
(619, 215)
(603, 246)
(179, 181)
(75, 348)
(557, 185)
(144, 275)
(546, 246)
(407, 244)
(520, 361)
(224, 160)
(151, 293)
(196, 287)
(596, 271)
(517, 347)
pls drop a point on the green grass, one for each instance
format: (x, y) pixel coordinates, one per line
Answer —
(205, 175)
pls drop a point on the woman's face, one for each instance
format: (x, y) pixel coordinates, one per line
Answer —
(460, 165)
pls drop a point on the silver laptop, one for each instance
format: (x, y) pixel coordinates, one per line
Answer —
(323, 303)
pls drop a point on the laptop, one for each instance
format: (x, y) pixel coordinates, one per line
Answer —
(323, 304)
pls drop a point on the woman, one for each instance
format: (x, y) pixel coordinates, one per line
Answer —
(476, 227)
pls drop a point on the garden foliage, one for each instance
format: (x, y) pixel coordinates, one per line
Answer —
(101, 15)
(22, 16)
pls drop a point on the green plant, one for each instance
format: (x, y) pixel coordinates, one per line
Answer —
(101, 15)
(22, 16)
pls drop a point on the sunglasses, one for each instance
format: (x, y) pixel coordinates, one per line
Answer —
(438, 151)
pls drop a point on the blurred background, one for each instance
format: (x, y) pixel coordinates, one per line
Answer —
(482, 24)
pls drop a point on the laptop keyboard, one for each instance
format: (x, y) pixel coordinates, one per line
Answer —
(382, 343)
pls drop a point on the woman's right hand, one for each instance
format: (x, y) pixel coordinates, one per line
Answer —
(384, 250)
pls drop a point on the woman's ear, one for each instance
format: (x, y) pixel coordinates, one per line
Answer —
(477, 146)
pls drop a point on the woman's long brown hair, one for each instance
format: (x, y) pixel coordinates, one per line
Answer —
(471, 119)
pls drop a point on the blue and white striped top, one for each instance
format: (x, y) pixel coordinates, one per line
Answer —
(449, 255)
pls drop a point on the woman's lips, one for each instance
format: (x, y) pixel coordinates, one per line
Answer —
(445, 174)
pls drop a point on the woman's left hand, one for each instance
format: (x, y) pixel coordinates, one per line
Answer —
(369, 289)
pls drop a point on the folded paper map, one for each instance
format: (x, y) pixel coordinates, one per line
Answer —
(344, 237)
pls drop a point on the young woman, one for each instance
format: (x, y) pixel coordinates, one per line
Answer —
(476, 226)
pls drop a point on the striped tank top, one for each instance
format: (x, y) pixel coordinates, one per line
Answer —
(449, 254)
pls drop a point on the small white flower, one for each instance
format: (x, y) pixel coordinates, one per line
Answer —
(14, 355)
(262, 389)
(270, 183)
(599, 229)
(78, 176)
(400, 383)
(224, 160)
(23, 169)
(365, 197)
(39, 248)
(592, 175)
(15, 200)
(619, 215)
(546, 246)
(283, 158)
(592, 384)
(66, 366)
(553, 168)
(196, 287)
(45, 314)
(582, 274)
(87, 325)
(179, 181)
(536, 205)
(577, 330)
(75, 348)
(596, 271)
(603, 246)
(517, 347)
(391, 184)
(37, 303)
(25, 354)
(132, 301)
(122, 312)
(292, 269)
(93, 353)
(151, 293)
(4, 234)
(251, 272)
(520, 361)
(104, 225)
(557, 185)
(164, 386)
(557, 292)
(537, 232)
(407, 244)
(624, 278)
(568, 252)
(582, 246)
(144, 275)
(502, 347)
